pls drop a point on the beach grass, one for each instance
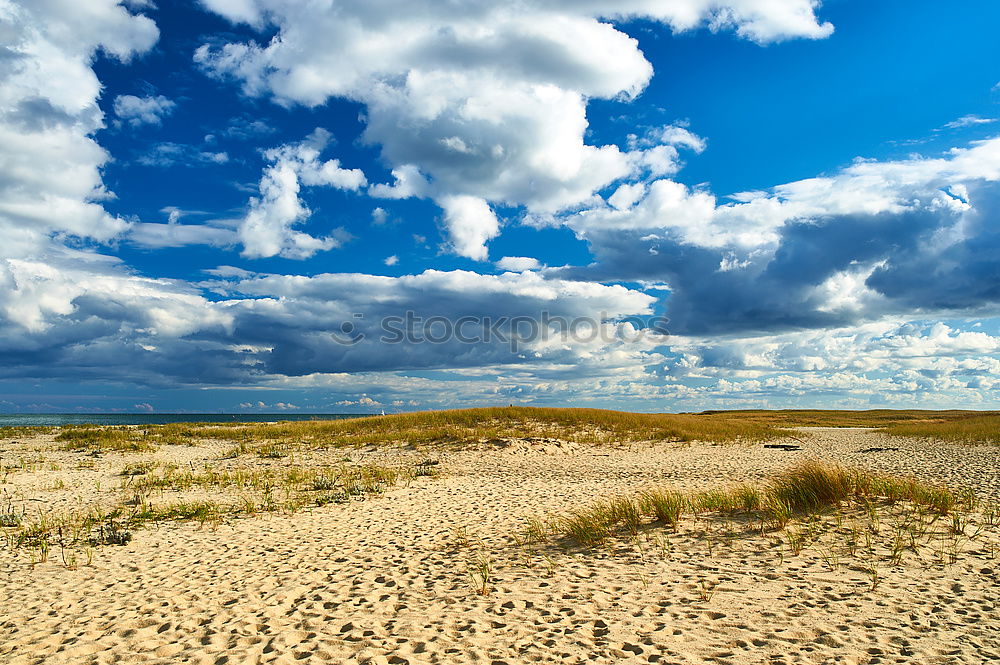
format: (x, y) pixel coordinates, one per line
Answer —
(151, 493)
(807, 489)
(464, 426)
(976, 428)
(12, 431)
(846, 418)
(103, 439)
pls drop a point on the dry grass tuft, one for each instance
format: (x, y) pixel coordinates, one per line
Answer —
(802, 491)
(103, 439)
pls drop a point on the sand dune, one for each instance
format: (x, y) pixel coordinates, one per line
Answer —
(387, 580)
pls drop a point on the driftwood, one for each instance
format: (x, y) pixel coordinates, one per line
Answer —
(783, 446)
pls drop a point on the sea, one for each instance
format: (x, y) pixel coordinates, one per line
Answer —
(48, 419)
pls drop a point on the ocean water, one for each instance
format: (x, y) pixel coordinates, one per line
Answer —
(28, 419)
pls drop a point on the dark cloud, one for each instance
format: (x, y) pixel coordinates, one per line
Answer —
(931, 259)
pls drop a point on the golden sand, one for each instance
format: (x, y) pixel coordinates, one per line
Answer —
(393, 579)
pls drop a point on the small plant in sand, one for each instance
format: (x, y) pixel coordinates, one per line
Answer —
(666, 505)
(428, 467)
(480, 573)
(706, 590)
(138, 468)
(871, 569)
(10, 519)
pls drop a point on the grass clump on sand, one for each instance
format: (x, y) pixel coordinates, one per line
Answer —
(866, 521)
(103, 439)
(805, 490)
(979, 428)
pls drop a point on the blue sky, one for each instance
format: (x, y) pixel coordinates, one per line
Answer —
(199, 198)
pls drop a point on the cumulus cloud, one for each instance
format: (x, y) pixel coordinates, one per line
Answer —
(882, 363)
(364, 400)
(476, 104)
(470, 223)
(657, 152)
(82, 316)
(267, 229)
(875, 239)
(138, 111)
(301, 319)
(518, 263)
(50, 165)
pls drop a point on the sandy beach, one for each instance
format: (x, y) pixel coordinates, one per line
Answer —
(392, 579)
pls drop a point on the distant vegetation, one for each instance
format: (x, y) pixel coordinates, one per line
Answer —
(955, 426)
(468, 426)
(471, 425)
(454, 428)
(979, 428)
(833, 418)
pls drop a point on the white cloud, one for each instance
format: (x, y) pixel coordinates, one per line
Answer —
(391, 260)
(246, 127)
(627, 195)
(152, 235)
(969, 121)
(143, 110)
(518, 263)
(681, 136)
(755, 219)
(664, 205)
(470, 223)
(50, 167)
(362, 401)
(267, 229)
(169, 154)
(481, 101)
